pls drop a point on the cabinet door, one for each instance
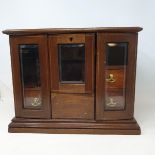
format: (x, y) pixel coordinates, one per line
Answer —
(30, 76)
(115, 77)
(72, 60)
(72, 75)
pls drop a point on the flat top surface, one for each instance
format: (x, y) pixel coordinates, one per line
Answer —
(71, 30)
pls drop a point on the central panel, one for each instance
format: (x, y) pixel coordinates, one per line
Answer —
(72, 76)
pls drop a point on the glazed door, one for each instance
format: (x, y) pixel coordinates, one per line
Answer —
(30, 76)
(115, 77)
(72, 71)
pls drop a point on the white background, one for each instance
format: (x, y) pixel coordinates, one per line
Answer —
(81, 13)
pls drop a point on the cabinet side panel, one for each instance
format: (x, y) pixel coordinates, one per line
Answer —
(16, 79)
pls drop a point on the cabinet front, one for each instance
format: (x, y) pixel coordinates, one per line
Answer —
(31, 88)
(72, 76)
(115, 75)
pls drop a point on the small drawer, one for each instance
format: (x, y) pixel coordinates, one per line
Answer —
(115, 78)
(32, 99)
(115, 99)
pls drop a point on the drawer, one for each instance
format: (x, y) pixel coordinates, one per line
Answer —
(115, 78)
(115, 99)
(72, 106)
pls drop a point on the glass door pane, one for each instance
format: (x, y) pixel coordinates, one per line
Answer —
(72, 63)
(115, 73)
(30, 74)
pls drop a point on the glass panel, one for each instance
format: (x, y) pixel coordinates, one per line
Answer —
(30, 73)
(72, 63)
(115, 99)
(116, 54)
(115, 73)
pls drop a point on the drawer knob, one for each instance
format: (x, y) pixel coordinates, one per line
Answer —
(36, 102)
(111, 103)
(111, 78)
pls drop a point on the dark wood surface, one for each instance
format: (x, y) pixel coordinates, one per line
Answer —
(71, 30)
(75, 108)
(49, 126)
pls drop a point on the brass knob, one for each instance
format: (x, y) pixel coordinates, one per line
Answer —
(111, 78)
(36, 102)
(111, 103)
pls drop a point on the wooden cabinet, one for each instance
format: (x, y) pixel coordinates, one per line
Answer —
(74, 80)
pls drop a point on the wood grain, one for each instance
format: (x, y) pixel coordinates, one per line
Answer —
(72, 30)
(73, 106)
(106, 127)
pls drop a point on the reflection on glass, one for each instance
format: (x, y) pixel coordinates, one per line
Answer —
(32, 98)
(115, 99)
(30, 73)
(115, 76)
(29, 58)
(116, 54)
(72, 63)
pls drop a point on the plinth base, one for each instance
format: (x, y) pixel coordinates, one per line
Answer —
(121, 127)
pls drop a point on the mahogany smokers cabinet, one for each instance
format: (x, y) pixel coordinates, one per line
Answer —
(78, 80)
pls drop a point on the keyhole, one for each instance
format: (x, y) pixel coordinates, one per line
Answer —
(70, 38)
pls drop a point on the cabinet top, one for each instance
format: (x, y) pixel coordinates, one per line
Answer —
(71, 30)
